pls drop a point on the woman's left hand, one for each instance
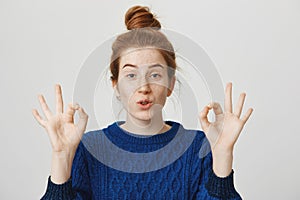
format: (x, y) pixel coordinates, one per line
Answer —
(224, 132)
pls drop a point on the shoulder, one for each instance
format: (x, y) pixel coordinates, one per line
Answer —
(200, 145)
(199, 134)
(91, 139)
(92, 136)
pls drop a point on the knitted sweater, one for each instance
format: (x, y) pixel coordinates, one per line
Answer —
(110, 163)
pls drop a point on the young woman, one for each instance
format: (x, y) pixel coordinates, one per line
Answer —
(143, 76)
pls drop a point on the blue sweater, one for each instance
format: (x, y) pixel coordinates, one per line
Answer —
(113, 164)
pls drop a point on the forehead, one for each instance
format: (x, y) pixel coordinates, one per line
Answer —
(141, 56)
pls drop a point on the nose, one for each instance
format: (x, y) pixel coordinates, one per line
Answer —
(144, 87)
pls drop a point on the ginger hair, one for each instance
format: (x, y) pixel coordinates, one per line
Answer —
(143, 32)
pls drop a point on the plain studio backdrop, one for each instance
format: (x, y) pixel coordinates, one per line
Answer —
(253, 44)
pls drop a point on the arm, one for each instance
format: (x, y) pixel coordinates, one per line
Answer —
(64, 137)
(222, 135)
(77, 186)
(213, 187)
(205, 184)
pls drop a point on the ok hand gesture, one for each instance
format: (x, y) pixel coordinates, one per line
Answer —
(224, 132)
(63, 133)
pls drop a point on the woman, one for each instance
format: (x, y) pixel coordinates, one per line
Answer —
(143, 76)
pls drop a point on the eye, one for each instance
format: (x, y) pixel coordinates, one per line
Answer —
(130, 76)
(155, 75)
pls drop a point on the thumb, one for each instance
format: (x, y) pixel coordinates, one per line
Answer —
(70, 112)
(83, 119)
(203, 118)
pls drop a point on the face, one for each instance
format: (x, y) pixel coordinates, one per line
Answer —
(143, 83)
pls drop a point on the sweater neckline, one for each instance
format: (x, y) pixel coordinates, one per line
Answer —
(121, 135)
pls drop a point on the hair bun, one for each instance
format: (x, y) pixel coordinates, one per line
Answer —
(140, 17)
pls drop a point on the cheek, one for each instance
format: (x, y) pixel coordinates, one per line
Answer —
(160, 92)
(126, 93)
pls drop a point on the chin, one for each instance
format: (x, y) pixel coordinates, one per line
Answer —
(144, 116)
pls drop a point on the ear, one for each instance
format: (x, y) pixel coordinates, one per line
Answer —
(115, 87)
(113, 83)
(171, 86)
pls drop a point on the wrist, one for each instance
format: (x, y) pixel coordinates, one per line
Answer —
(222, 163)
(61, 166)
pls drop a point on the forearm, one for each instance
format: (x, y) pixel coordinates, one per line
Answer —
(218, 172)
(60, 186)
(61, 166)
(222, 162)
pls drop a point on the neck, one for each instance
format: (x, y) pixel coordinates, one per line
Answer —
(153, 126)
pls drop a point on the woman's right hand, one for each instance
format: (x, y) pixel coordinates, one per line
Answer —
(63, 133)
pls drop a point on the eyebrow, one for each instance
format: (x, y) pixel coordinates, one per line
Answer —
(151, 66)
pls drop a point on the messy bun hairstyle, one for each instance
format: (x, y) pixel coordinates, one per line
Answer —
(144, 31)
(140, 17)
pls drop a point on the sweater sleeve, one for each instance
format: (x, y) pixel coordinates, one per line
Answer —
(210, 186)
(77, 187)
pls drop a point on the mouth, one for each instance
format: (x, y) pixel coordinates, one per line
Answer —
(145, 103)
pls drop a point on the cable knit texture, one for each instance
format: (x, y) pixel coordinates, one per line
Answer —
(189, 176)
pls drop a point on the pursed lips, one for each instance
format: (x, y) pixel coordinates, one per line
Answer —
(144, 101)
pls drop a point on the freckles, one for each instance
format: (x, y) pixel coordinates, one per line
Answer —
(127, 94)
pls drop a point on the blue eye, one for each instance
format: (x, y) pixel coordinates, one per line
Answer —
(130, 75)
(156, 75)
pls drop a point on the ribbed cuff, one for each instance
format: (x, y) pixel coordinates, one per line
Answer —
(59, 191)
(221, 187)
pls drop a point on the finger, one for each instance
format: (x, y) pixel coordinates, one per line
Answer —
(38, 118)
(70, 112)
(59, 100)
(203, 117)
(217, 108)
(247, 115)
(239, 106)
(44, 106)
(83, 119)
(228, 97)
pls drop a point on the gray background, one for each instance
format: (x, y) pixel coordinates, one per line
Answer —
(254, 44)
